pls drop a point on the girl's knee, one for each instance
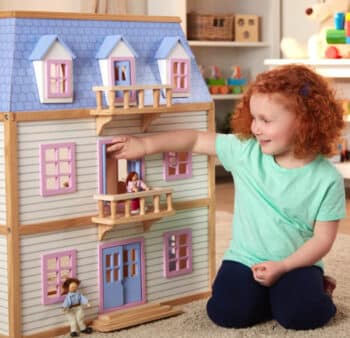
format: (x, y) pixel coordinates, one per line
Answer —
(227, 316)
(305, 317)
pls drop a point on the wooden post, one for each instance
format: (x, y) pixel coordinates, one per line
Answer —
(156, 95)
(113, 209)
(169, 94)
(111, 99)
(169, 200)
(99, 99)
(156, 203)
(126, 98)
(142, 206)
(127, 208)
(141, 98)
(12, 222)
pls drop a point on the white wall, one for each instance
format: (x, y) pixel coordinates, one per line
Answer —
(294, 22)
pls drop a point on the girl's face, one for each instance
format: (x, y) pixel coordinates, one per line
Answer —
(273, 126)
(135, 178)
(73, 287)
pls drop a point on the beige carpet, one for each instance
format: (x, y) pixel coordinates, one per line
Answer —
(194, 323)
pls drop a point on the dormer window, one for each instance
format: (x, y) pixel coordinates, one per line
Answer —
(174, 64)
(53, 65)
(59, 78)
(116, 59)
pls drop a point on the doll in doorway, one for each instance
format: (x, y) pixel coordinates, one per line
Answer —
(134, 184)
(73, 307)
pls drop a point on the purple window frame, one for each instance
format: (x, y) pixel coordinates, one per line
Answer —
(72, 255)
(67, 93)
(177, 75)
(167, 164)
(58, 190)
(176, 250)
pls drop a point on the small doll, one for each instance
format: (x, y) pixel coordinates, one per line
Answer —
(73, 307)
(134, 184)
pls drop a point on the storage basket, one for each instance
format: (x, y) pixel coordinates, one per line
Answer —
(210, 26)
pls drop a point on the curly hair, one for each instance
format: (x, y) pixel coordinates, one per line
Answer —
(67, 282)
(319, 115)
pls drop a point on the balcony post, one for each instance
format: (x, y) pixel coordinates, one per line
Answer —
(99, 99)
(141, 98)
(127, 208)
(169, 94)
(142, 206)
(156, 95)
(156, 203)
(111, 99)
(113, 209)
(126, 98)
(101, 209)
(169, 200)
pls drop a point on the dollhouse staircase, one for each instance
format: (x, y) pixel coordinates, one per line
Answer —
(133, 316)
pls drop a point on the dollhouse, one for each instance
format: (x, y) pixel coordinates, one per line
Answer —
(69, 83)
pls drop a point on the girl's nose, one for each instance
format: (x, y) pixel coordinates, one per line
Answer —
(255, 128)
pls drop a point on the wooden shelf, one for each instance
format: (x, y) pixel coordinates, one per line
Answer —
(332, 68)
(219, 97)
(198, 43)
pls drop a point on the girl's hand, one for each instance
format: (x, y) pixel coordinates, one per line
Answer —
(127, 147)
(267, 273)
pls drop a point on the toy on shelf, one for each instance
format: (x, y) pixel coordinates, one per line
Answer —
(339, 36)
(134, 184)
(247, 28)
(73, 307)
(236, 82)
(219, 85)
(316, 47)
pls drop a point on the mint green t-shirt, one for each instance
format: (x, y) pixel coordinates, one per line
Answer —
(275, 208)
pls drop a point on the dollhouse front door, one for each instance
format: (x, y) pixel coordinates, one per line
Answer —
(122, 274)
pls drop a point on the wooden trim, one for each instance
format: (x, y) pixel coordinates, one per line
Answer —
(87, 16)
(57, 331)
(4, 336)
(2, 118)
(52, 115)
(3, 231)
(71, 223)
(212, 204)
(13, 240)
(187, 299)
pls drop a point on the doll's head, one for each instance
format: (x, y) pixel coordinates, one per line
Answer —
(71, 285)
(318, 115)
(132, 176)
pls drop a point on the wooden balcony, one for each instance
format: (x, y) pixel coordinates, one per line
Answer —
(105, 114)
(115, 210)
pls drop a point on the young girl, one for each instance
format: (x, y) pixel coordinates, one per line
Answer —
(288, 198)
(134, 184)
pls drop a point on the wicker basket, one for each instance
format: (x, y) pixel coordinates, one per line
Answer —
(210, 26)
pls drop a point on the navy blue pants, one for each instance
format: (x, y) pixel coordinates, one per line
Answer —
(296, 301)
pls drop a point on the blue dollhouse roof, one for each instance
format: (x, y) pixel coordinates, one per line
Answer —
(168, 44)
(43, 46)
(109, 43)
(23, 39)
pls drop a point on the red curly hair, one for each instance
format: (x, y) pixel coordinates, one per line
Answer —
(319, 114)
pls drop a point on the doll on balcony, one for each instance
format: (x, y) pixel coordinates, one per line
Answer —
(73, 307)
(134, 184)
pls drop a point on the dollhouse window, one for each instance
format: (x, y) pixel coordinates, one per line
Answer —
(180, 75)
(177, 165)
(55, 269)
(59, 78)
(177, 247)
(57, 169)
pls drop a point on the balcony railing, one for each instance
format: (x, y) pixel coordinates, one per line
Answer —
(116, 209)
(104, 114)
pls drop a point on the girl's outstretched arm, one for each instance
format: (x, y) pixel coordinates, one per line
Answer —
(132, 147)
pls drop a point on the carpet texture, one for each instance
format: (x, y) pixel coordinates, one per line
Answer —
(195, 323)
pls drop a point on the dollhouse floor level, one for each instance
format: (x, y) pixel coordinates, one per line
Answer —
(135, 316)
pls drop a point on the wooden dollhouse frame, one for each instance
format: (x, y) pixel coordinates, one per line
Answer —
(32, 225)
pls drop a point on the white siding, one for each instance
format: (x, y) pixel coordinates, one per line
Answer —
(2, 177)
(38, 317)
(35, 208)
(4, 324)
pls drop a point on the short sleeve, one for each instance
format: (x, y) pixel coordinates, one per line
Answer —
(229, 149)
(333, 205)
